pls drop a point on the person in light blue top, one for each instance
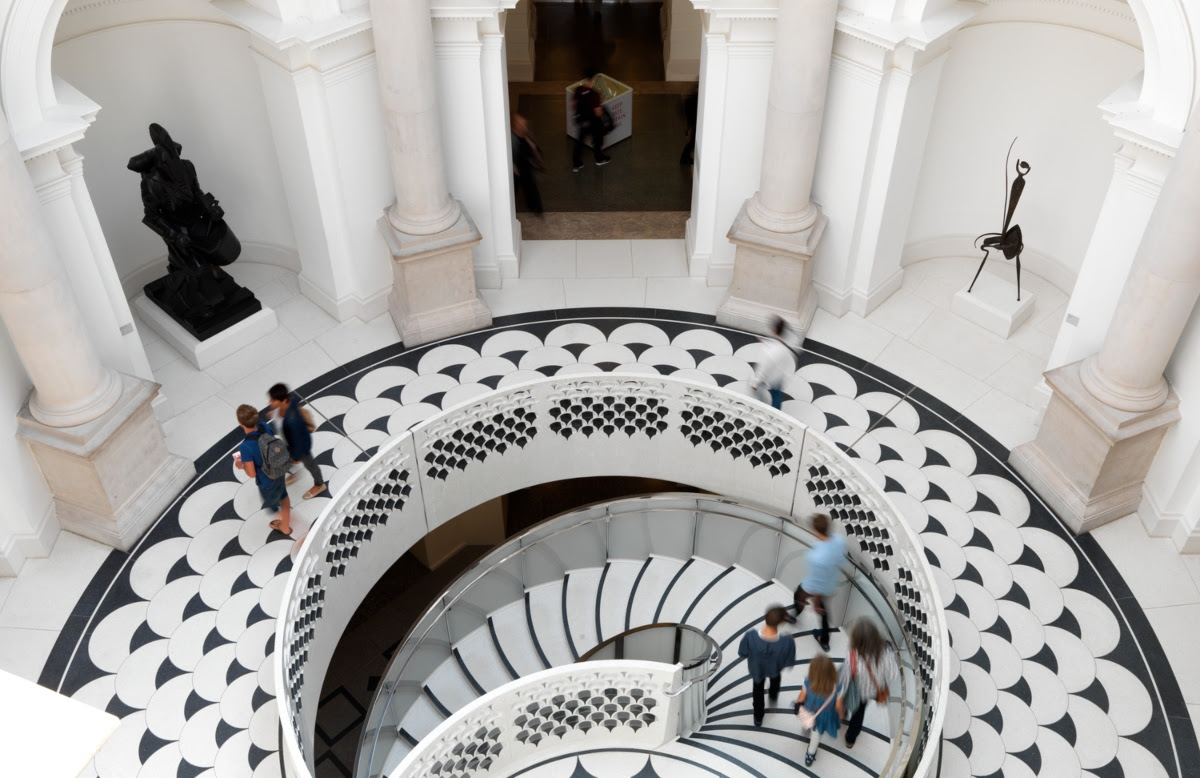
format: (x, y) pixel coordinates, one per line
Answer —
(825, 560)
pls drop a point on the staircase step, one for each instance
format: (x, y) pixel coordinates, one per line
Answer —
(777, 748)
(579, 608)
(449, 688)
(693, 580)
(615, 595)
(510, 632)
(481, 659)
(421, 719)
(546, 618)
(654, 579)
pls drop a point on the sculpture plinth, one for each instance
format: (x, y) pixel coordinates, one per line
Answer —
(200, 296)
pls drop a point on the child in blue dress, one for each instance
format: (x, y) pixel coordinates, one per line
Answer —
(820, 697)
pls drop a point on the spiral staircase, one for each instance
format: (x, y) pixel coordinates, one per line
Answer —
(522, 630)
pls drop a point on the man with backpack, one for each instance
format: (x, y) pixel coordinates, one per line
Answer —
(264, 457)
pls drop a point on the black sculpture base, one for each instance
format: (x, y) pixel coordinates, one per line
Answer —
(181, 298)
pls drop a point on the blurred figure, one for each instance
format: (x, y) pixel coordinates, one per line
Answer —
(691, 107)
(869, 668)
(824, 561)
(527, 161)
(778, 362)
(589, 113)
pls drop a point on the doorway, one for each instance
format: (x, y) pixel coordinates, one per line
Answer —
(646, 190)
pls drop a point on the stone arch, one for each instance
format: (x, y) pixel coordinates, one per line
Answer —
(1168, 85)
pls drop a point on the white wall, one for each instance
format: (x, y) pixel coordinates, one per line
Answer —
(1172, 488)
(1041, 83)
(196, 79)
(26, 497)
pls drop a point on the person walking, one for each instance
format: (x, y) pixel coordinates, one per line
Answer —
(777, 363)
(297, 428)
(866, 675)
(527, 160)
(813, 705)
(264, 457)
(767, 653)
(824, 561)
(589, 118)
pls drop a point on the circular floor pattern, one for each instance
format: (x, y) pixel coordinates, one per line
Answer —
(1056, 671)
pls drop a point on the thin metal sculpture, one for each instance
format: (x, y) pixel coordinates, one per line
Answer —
(1008, 240)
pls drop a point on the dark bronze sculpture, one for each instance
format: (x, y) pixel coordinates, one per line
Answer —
(1008, 240)
(196, 292)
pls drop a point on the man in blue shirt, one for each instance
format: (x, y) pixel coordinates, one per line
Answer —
(824, 560)
(297, 432)
(249, 460)
(767, 653)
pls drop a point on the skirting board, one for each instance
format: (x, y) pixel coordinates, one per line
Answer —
(963, 246)
(348, 307)
(36, 544)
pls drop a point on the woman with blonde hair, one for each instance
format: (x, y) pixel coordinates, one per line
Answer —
(813, 707)
(869, 668)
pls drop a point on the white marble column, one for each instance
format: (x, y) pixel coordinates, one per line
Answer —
(1159, 295)
(779, 228)
(91, 430)
(1108, 414)
(799, 77)
(429, 234)
(404, 54)
(70, 385)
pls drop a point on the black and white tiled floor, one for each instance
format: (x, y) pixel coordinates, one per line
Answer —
(1056, 670)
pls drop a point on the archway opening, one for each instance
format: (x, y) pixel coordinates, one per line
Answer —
(645, 192)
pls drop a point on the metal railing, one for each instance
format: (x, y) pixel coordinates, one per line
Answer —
(428, 635)
(601, 424)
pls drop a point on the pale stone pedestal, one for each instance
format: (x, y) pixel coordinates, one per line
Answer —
(433, 289)
(1089, 460)
(203, 353)
(993, 305)
(112, 477)
(772, 276)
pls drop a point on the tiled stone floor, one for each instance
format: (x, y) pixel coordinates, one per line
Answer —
(900, 336)
(1054, 668)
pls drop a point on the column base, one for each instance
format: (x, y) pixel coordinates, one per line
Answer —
(433, 290)
(1089, 460)
(772, 276)
(112, 477)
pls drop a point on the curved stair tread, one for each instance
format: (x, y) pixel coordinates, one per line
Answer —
(871, 749)
(615, 593)
(726, 624)
(546, 623)
(731, 586)
(481, 659)
(449, 688)
(510, 633)
(710, 756)
(421, 719)
(397, 750)
(694, 579)
(581, 594)
(649, 588)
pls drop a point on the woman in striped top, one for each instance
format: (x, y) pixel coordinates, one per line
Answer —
(869, 668)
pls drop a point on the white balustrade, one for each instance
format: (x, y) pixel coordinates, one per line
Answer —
(580, 426)
(606, 704)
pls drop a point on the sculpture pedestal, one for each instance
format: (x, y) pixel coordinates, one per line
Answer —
(1089, 460)
(993, 305)
(112, 477)
(433, 286)
(203, 353)
(203, 323)
(772, 276)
